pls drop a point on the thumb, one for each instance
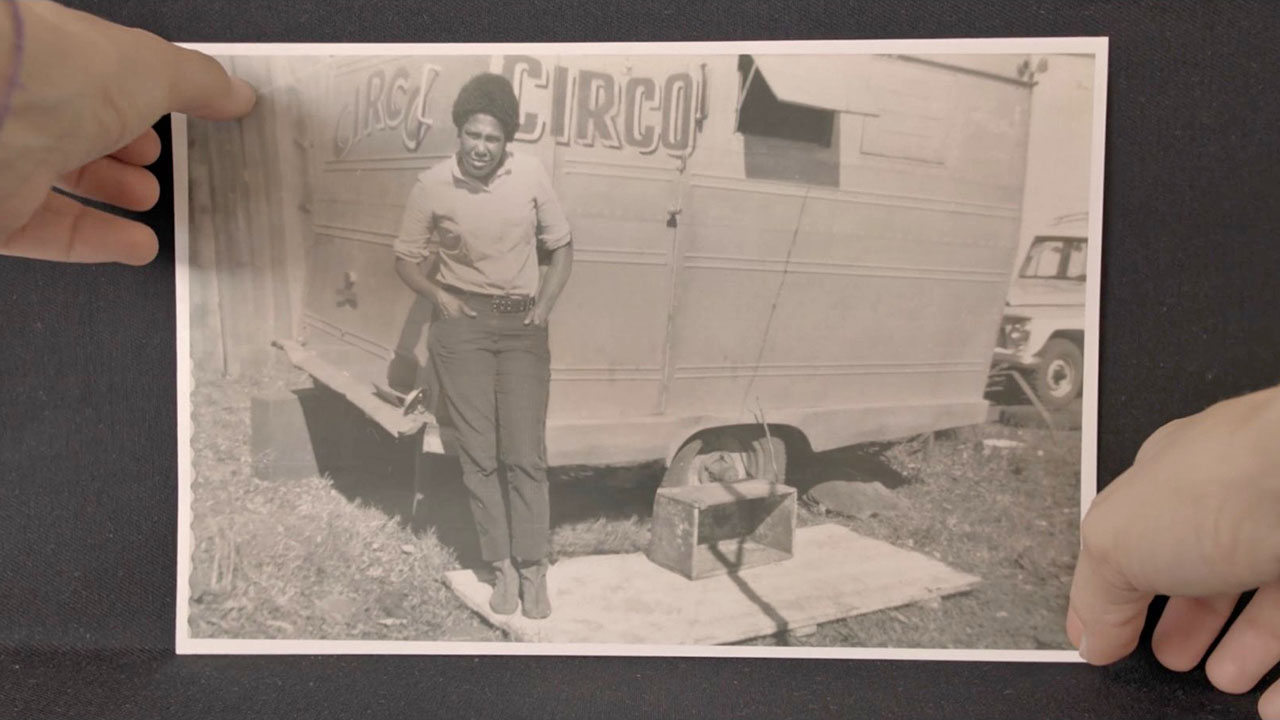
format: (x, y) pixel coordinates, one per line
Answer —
(1106, 612)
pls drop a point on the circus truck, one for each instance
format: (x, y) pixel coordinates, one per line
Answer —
(774, 254)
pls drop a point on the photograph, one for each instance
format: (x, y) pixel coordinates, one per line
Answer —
(766, 349)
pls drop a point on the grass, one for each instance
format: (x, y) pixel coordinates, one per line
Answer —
(297, 558)
(342, 557)
(1009, 516)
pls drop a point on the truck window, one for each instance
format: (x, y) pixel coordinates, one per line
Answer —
(1057, 258)
(785, 141)
(1077, 263)
(761, 113)
(1043, 259)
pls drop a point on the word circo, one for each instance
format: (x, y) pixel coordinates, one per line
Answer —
(590, 108)
(580, 107)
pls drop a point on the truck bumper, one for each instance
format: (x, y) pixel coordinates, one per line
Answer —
(1018, 361)
(360, 394)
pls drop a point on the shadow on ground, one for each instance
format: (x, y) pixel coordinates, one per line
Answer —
(864, 463)
(370, 468)
(583, 494)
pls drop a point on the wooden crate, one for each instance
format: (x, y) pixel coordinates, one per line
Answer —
(716, 528)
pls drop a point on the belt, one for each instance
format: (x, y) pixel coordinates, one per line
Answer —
(506, 304)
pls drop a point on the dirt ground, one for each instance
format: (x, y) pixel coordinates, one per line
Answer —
(343, 555)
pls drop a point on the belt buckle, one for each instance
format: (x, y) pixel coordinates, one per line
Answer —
(509, 303)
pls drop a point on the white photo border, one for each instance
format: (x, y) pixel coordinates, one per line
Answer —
(186, 645)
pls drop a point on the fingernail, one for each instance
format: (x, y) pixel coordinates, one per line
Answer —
(246, 95)
(1084, 644)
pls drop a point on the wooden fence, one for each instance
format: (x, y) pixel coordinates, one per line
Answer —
(251, 190)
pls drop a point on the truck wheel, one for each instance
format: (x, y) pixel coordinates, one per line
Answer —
(1061, 374)
(728, 455)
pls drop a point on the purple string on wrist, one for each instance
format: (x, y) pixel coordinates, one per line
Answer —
(11, 86)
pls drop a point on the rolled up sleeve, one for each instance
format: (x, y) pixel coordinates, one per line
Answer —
(413, 243)
(553, 227)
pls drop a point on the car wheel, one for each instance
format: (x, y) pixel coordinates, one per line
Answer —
(1060, 376)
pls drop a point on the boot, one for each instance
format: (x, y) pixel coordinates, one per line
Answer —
(504, 599)
(533, 590)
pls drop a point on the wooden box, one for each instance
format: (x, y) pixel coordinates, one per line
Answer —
(716, 528)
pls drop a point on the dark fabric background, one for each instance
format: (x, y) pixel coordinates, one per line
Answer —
(87, 411)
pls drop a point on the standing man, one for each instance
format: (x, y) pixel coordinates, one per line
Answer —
(480, 219)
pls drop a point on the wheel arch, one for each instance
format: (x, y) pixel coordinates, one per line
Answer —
(795, 440)
(1072, 335)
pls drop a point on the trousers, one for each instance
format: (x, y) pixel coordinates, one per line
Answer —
(495, 374)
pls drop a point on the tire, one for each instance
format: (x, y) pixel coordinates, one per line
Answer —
(728, 455)
(1060, 377)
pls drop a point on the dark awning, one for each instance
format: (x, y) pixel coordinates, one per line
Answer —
(829, 82)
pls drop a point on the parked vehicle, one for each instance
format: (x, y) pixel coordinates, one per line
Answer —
(774, 253)
(1042, 335)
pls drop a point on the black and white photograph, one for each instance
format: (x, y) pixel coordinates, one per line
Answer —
(752, 349)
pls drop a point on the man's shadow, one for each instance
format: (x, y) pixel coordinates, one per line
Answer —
(369, 467)
(443, 507)
(420, 491)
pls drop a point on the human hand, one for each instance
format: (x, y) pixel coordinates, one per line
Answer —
(86, 94)
(536, 316)
(1197, 518)
(451, 306)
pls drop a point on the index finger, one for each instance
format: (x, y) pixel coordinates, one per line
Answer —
(188, 81)
(152, 75)
(199, 86)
